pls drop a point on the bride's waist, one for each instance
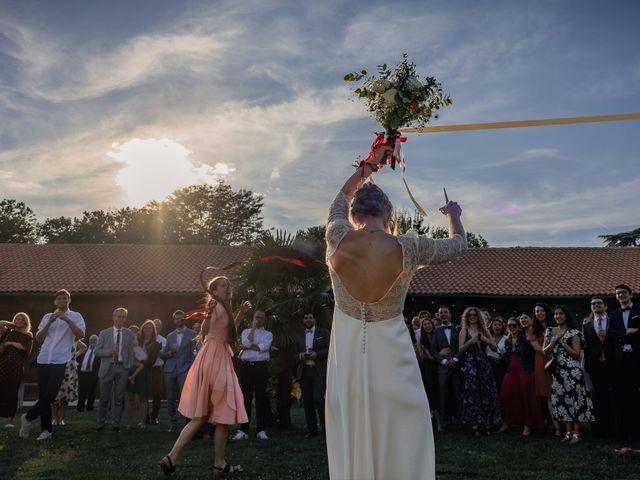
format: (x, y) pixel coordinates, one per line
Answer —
(371, 314)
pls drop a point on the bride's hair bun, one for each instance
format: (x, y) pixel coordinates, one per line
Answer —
(370, 200)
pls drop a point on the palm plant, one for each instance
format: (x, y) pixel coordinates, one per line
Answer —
(286, 276)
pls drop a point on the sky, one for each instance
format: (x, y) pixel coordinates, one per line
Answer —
(108, 104)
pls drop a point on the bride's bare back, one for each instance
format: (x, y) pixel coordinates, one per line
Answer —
(368, 263)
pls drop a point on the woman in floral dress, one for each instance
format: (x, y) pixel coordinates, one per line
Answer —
(69, 387)
(570, 401)
(480, 402)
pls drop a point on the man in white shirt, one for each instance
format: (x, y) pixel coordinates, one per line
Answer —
(57, 333)
(156, 377)
(88, 365)
(254, 374)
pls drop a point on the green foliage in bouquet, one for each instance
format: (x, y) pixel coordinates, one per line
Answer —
(398, 97)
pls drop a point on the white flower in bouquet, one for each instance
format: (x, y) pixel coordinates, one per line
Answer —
(390, 96)
(414, 84)
(379, 85)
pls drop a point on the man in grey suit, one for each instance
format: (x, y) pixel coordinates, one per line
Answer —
(444, 347)
(178, 353)
(115, 351)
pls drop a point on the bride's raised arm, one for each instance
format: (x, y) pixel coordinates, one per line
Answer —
(429, 251)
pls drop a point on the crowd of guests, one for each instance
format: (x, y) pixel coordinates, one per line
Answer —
(131, 366)
(539, 371)
(543, 370)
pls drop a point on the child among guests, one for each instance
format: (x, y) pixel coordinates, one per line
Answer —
(139, 356)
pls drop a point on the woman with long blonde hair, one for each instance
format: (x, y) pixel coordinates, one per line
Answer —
(211, 391)
(17, 340)
(480, 402)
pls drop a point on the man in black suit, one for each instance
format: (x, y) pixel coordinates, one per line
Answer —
(88, 365)
(625, 323)
(312, 350)
(600, 362)
(444, 347)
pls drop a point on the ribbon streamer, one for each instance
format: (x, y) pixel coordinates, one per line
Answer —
(524, 123)
(403, 167)
(293, 261)
(396, 157)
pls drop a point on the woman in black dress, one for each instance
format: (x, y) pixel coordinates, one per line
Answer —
(429, 368)
(143, 386)
(16, 338)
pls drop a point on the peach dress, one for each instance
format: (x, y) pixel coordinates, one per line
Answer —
(211, 389)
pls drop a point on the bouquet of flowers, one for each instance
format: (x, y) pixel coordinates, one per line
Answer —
(399, 98)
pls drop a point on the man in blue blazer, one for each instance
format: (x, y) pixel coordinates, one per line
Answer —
(178, 353)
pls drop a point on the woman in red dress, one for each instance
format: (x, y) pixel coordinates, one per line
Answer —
(211, 391)
(517, 394)
(542, 318)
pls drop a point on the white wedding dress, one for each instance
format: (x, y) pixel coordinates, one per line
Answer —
(378, 424)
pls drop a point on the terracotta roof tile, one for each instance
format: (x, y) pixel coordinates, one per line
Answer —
(84, 268)
(532, 271)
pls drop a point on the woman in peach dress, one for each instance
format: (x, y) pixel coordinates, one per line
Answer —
(211, 391)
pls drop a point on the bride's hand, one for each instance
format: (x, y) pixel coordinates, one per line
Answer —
(381, 152)
(451, 208)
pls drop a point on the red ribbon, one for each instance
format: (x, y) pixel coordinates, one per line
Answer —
(200, 315)
(293, 261)
(379, 143)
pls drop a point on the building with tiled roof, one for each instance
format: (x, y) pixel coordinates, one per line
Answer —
(154, 280)
(512, 279)
(114, 268)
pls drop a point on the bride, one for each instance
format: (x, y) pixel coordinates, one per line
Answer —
(377, 413)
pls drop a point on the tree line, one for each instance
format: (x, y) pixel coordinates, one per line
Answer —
(198, 214)
(194, 215)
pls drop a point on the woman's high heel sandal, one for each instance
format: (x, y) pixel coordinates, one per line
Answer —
(567, 437)
(166, 465)
(219, 472)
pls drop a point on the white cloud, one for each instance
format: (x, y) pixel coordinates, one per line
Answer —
(153, 168)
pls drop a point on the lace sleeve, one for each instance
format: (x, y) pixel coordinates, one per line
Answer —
(419, 250)
(338, 224)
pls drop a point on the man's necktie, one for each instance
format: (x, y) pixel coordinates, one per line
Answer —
(118, 345)
(87, 365)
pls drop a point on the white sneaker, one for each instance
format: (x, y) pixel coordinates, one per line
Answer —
(240, 435)
(262, 435)
(25, 426)
(45, 435)
(61, 423)
(54, 422)
(9, 425)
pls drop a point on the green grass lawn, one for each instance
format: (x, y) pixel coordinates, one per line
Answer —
(78, 452)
